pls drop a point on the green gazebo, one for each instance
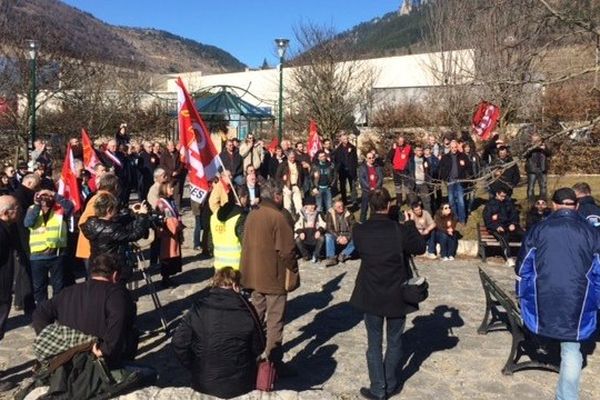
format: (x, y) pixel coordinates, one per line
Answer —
(223, 103)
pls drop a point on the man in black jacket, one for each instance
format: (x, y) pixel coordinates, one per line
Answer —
(147, 162)
(233, 162)
(219, 339)
(384, 247)
(506, 173)
(23, 276)
(9, 210)
(455, 167)
(346, 163)
(501, 218)
(586, 205)
(99, 307)
(536, 166)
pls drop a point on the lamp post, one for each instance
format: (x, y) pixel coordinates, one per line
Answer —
(282, 45)
(32, 49)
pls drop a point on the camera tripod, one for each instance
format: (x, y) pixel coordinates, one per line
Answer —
(141, 266)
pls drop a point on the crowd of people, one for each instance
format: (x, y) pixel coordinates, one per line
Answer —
(269, 206)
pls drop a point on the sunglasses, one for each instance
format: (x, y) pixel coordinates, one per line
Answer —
(541, 203)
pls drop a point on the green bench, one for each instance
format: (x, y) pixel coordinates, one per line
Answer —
(502, 311)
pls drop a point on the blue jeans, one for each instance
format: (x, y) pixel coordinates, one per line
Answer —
(431, 242)
(40, 270)
(448, 244)
(323, 199)
(197, 230)
(456, 198)
(383, 370)
(330, 246)
(571, 361)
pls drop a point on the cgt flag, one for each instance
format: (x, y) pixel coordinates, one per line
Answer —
(485, 119)
(197, 150)
(68, 187)
(314, 141)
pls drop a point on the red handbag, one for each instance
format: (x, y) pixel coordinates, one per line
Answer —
(266, 374)
(265, 378)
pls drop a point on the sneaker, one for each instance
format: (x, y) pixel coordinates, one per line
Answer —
(510, 262)
(342, 258)
(314, 260)
(445, 259)
(451, 258)
(431, 256)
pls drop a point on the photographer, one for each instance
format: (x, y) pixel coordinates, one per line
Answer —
(47, 242)
(110, 233)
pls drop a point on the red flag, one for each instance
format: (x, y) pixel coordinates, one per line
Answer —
(197, 150)
(68, 186)
(485, 119)
(273, 145)
(90, 158)
(314, 141)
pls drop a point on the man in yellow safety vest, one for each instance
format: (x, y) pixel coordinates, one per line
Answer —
(227, 229)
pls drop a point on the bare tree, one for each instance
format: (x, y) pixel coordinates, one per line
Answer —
(327, 85)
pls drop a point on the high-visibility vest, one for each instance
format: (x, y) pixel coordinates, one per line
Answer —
(52, 235)
(227, 247)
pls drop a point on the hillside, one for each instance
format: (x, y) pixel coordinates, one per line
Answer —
(63, 29)
(392, 34)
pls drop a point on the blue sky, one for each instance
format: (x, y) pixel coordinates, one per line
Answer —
(245, 28)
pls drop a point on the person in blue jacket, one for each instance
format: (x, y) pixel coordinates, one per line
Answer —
(558, 284)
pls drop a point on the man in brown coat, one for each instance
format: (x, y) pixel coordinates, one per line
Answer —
(268, 249)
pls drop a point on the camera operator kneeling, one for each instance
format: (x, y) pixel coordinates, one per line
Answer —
(218, 339)
(110, 233)
(102, 308)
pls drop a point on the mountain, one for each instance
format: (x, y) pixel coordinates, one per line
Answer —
(62, 29)
(389, 35)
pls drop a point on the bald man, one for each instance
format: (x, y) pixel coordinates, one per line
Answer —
(115, 160)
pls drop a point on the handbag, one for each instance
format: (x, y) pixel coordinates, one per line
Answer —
(292, 280)
(266, 372)
(415, 289)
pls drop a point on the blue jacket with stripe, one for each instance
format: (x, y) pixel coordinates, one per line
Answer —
(558, 283)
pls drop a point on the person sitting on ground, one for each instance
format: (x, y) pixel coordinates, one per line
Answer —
(425, 225)
(539, 211)
(98, 307)
(586, 206)
(339, 223)
(218, 339)
(446, 233)
(170, 234)
(110, 233)
(102, 308)
(227, 230)
(310, 231)
(501, 219)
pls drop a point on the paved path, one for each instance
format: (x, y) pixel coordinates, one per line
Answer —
(445, 358)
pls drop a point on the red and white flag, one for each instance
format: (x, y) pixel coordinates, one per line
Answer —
(197, 150)
(68, 187)
(314, 141)
(90, 158)
(485, 119)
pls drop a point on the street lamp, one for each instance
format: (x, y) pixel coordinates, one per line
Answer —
(282, 45)
(32, 48)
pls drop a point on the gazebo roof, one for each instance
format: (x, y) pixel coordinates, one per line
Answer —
(227, 104)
